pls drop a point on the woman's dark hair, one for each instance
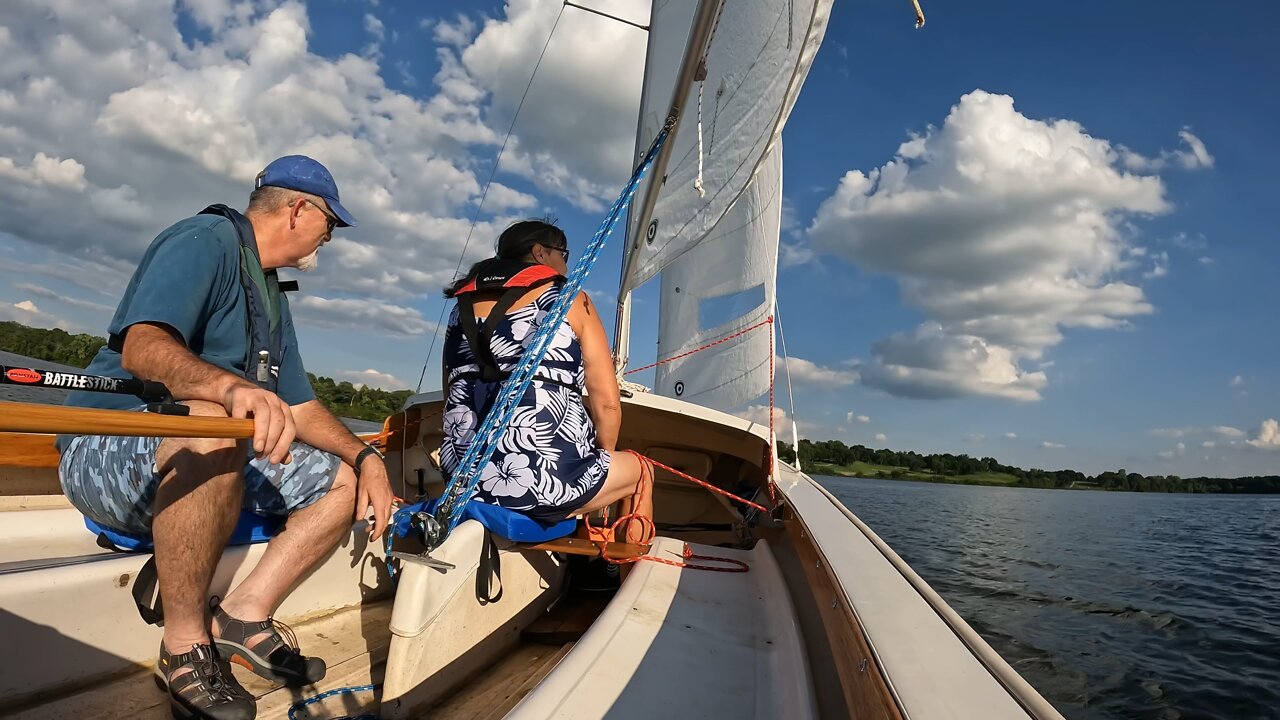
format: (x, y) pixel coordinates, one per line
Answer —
(515, 243)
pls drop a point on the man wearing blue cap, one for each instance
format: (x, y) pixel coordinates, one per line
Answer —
(204, 315)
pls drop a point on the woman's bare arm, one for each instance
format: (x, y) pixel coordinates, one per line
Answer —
(602, 400)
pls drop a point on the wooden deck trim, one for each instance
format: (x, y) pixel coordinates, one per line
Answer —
(866, 691)
(28, 450)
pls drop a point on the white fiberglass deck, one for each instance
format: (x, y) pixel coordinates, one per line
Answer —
(685, 643)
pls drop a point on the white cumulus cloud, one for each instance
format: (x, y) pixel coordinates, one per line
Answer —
(805, 372)
(113, 125)
(1178, 451)
(356, 314)
(1268, 437)
(28, 313)
(759, 414)
(1193, 155)
(372, 378)
(1003, 230)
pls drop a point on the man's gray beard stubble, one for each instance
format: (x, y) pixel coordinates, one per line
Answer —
(309, 263)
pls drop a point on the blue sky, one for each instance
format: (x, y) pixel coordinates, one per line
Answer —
(1097, 172)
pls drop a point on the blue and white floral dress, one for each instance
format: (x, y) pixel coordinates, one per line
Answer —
(546, 464)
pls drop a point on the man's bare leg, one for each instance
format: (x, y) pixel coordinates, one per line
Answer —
(197, 504)
(309, 536)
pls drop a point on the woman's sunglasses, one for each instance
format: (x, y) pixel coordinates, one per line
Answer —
(562, 250)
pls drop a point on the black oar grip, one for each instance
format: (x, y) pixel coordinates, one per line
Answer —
(153, 391)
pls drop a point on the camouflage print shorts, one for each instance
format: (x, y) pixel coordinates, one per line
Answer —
(113, 480)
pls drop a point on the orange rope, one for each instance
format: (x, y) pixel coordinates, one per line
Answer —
(725, 339)
(650, 531)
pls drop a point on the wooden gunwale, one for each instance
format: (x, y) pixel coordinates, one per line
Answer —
(862, 682)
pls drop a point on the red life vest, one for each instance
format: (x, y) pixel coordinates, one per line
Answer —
(514, 278)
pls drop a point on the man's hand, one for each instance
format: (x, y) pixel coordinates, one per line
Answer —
(373, 488)
(273, 427)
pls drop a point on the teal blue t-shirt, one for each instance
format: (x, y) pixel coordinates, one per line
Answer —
(189, 279)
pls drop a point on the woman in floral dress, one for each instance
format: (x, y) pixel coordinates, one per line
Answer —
(558, 456)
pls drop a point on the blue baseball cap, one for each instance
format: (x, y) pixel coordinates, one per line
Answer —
(301, 173)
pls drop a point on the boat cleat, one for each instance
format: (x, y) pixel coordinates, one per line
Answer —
(423, 559)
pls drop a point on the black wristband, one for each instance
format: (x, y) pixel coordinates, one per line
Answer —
(366, 452)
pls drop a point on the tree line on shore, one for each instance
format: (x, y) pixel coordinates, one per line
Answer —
(77, 350)
(945, 466)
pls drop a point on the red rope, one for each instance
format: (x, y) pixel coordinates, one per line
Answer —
(773, 438)
(704, 484)
(725, 339)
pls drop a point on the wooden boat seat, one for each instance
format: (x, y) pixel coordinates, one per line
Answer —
(573, 545)
(678, 642)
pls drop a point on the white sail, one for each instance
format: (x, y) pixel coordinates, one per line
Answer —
(721, 287)
(756, 60)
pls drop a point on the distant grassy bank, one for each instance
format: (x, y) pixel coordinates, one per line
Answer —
(889, 472)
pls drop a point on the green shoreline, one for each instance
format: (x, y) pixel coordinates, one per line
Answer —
(868, 471)
(834, 458)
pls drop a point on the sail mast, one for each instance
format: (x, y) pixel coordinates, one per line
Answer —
(703, 22)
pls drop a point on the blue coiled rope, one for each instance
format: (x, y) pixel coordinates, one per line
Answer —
(302, 704)
(462, 486)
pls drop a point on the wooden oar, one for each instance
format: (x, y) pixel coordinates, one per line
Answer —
(35, 418)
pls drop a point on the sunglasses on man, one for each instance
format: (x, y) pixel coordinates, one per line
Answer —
(328, 216)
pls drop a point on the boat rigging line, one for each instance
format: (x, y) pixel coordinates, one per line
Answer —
(605, 14)
(786, 363)
(475, 217)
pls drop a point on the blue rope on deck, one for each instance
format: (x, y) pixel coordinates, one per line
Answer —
(302, 704)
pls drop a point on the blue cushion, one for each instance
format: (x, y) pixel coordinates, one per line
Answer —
(510, 524)
(251, 528)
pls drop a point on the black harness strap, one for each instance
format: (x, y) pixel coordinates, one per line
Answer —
(265, 339)
(479, 337)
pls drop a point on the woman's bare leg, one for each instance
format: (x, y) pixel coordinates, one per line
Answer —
(622, 483)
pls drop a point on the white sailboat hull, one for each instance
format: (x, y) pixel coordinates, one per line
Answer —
(828, 622)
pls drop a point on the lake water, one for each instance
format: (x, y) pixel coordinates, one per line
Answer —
(1113, 605)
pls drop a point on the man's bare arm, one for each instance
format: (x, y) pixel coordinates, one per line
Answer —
(156, 352)
(320, 429)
